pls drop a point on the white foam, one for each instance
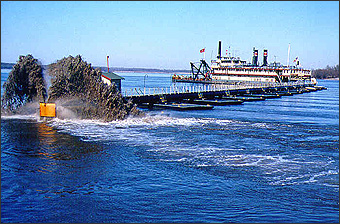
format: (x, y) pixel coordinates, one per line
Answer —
(134, 131)
(276, 169)
(21, 117)
(322, 174)
(161, 120)
(94, 128)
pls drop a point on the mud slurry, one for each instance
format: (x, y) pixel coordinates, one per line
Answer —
(24, 84)
(75, 85)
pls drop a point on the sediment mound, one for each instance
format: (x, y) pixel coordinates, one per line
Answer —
(73, 78)
(24, 84)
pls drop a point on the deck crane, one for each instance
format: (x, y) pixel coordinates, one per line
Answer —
(203, 71)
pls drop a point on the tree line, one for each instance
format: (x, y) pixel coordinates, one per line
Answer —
(5, 65)
(326, 73)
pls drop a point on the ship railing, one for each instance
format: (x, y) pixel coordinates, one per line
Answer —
(134, 92)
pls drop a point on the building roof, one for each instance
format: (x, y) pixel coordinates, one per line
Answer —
(111, 76)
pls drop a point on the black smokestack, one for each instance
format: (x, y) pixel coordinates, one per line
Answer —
(265, 57)
(219, 49)
(255, 56)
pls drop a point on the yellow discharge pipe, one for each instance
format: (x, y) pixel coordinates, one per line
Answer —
(47, 110)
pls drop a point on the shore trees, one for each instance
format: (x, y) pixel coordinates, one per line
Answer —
(326, 73)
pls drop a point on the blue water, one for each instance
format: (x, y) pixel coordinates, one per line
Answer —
(264, 161)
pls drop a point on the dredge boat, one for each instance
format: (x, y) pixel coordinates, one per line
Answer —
(235, 70)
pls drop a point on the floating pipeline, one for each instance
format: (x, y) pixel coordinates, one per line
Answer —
(265, 96)
(243, 98)
(217, 102)
(203, 97)
(176, 106)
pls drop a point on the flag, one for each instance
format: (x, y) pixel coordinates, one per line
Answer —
(226, 52)
(202, 50)
(295, 59)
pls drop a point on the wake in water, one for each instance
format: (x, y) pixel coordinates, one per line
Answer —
(155, 134)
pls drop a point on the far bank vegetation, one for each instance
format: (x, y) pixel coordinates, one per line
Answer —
(326, 73)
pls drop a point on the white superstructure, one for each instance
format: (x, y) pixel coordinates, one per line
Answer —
(235, 69)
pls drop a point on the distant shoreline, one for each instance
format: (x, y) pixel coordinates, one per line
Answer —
(144, 71)
(331, 79)
(5, 65)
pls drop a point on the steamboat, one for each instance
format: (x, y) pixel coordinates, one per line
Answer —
(234, 70)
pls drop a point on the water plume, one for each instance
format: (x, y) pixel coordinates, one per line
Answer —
(76, 88)
(24, 84)
(87, 95)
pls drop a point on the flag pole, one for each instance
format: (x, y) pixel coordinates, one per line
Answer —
(204, 54)
(108, 68)
(288, 55)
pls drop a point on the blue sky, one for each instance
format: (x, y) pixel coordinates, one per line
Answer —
(168, 34)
